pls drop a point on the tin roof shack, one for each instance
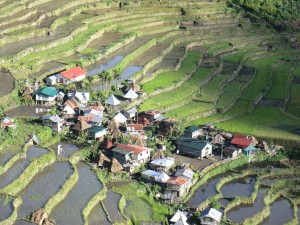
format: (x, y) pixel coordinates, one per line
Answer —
(210, 217)
(194, 148)
(131, 156)
(8, 122)
(164, 164)
(154, 115)
(150, 176)
(96, 132)
(55, 122)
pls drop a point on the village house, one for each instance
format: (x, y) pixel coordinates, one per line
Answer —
(130, 95)
(130, 113)
(70, 108)
(132, 154)
(150, 175)
(194, 148)
(81, 97)
(210, 217)
(55, 122)
(164, 164)
(177, 187)
(46, 95)
(112, 100)
(179, 218)
(120, 118)
(96, 132)
(243, 142)
(8, 122)
(68, 76)
(91, 120)
(135, 128)
(153, 115)
(185, 172)
(193, 132)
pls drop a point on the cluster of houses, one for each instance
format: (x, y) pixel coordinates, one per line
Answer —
(76, 115)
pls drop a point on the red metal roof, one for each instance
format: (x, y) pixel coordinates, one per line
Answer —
(143, 120)
(177, 180)
(241, 140)
(135, 127)
(135, 149)
(73, 73)
(8, 124)
(71, 104)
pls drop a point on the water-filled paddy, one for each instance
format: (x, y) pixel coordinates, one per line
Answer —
(69, 211)
(17, 169)
(98, 216)
(6, 206)
(43, 186)
(111, 203)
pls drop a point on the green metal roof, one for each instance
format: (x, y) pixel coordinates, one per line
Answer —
(192, 128)
(121, 151)
(49, 91)
(192, 143)
(97, 129)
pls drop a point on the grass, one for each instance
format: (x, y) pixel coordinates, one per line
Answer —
(168, 78)
(279, 88)
(237, 56)
(209, 92)
(214, 49)
(189, 109)
(137, 193)
(230, 92)
(177, 95)
(296, 71)
(294, 102)
(265, 122)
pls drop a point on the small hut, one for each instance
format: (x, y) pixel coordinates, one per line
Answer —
(120, 118)
(131, 95)
(103, 160)
(217, 139)
(115, 166)
(112, 100)
(39, 216)
(81, 126)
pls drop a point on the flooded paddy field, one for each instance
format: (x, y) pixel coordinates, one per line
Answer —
(281, 212)
(69, 210)
(245, 211)
(67, 149)
(111, 203)
(97, 69)
(242, 188)
(7, 83)
(98, 216)
(27, 111)
(47, 67)
(7, 154)
(17, 169)
(105, 39)
(6, 206)
(43, 186)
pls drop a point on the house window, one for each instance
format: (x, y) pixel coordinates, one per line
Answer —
(141, 154)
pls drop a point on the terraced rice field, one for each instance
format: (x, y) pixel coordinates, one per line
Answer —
(207, 65)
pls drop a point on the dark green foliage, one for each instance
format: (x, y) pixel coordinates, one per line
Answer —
(278, 12)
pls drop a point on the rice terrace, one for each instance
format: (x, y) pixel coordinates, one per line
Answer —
(149, 112)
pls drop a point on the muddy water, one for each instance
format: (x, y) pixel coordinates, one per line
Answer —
(281, 212)
(239, 188)
(111, 203)
(110, 64)
(28, 111)
(238, 214)
(6, 207)
(22, 222)
(98, 216)
(43, 186)
(69, 211)
(17, 169)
